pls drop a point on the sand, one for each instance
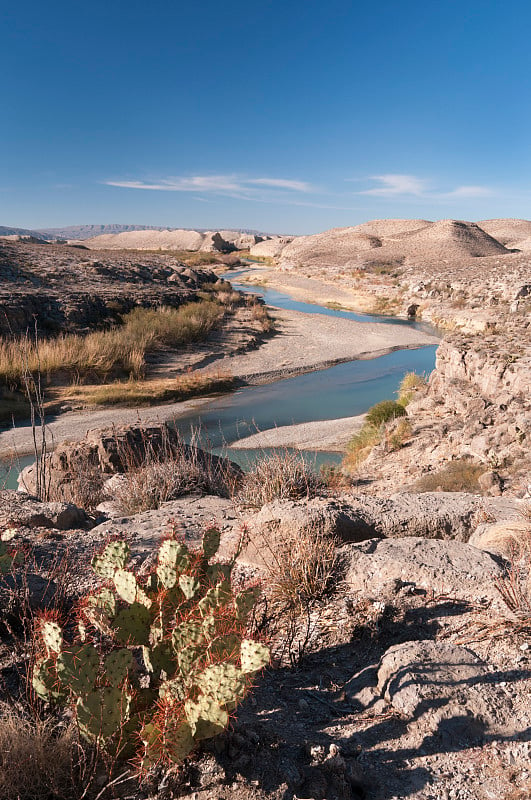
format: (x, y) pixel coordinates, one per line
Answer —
(331, 435)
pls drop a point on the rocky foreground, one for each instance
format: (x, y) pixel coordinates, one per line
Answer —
(407, 677)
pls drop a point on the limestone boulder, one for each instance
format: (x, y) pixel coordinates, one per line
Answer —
(21, 510)
(377, 567)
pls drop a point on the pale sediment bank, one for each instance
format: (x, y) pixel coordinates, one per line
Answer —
(331, 435)
(303, 343)
(307, 290)
(307, 342)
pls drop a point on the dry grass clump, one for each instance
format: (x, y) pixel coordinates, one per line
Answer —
(38, 760)
(169, 473)
(461, 475)
(282, 475)
(301, 571)
(119, 351)
(302, 566)
(260, 314)
(398, 435)
(139, 393)
(359, 447)
(515, 586)
(409, 384)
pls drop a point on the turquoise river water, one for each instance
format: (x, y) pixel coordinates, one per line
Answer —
(340, 391)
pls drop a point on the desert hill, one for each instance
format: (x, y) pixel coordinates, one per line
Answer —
(510, 232)
(391, 241)
(180, 239)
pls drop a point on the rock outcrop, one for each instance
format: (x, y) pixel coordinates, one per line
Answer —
(21, 510)
(115, 450)
(431, 566)
(69, 290)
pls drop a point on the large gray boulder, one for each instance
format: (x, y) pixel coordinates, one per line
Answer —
(442, 691)
(189, 516)
(376, 567)
(21, 510)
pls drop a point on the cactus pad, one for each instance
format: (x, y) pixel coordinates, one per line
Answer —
(215, 597)
(125, 583)
(174, 554)
(224, 683)
(52, 636)
(189, 585)
(117, 665)
(77, 668)
(254, 656)
(245, 602)
(167, 575)
(102, 713)
(45, 681)
(187, 633)
(132, 625)
(114, 556)
(205, 717)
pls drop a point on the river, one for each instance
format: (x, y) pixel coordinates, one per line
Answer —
(343, 390)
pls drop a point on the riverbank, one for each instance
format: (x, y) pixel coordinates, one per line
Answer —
(329, 435)
(302, 343)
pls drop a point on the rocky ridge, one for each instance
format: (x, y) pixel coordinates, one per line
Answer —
(475, 288)
(71, 290)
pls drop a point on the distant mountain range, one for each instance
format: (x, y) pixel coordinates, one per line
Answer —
(89, 231)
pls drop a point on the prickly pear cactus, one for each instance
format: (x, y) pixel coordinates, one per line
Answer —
(161, 660)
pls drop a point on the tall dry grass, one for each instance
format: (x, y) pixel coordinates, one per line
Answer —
(116, 352)
(169, 471)
(281, 475)
(38, 759)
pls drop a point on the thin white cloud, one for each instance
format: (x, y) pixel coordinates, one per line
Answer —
(216, 184)
(469, 191)
(280, 183)
(394, 185)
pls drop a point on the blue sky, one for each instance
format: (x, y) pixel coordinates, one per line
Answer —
(291, 116)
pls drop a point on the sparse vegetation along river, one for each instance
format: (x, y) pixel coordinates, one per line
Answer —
(343, 390)
(340, 391)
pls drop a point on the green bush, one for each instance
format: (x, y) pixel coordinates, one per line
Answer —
(158, 663)
(384, 412)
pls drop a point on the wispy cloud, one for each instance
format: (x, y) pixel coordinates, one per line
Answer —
(217, 184)
(469, 191)
(395, 185)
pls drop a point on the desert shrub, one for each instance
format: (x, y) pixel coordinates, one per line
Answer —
(38, 759)
(457, 476)
(398, 435)
(159, 661)
(408, 386)
(282, 475)
(384, 412)
(170, 472)
(260, 314)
